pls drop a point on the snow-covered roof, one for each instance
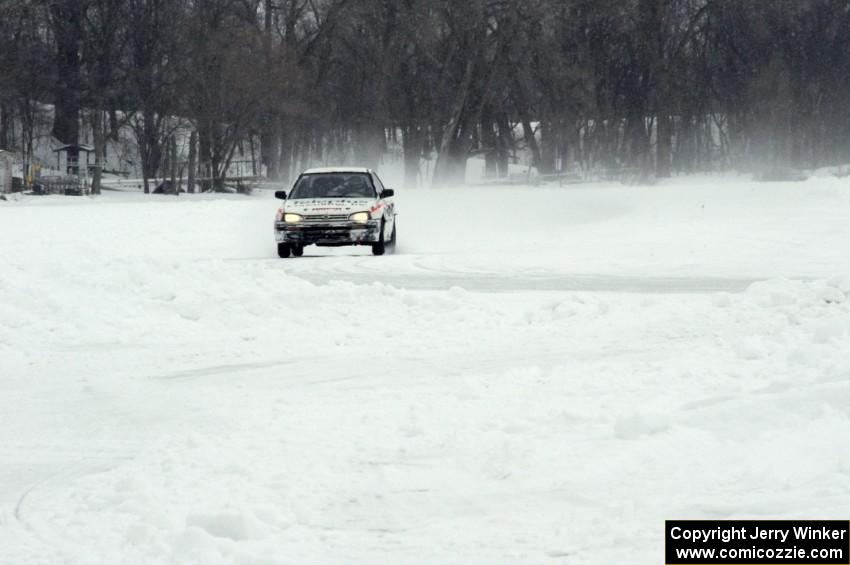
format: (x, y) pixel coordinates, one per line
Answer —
(73, 147)
(326, 170)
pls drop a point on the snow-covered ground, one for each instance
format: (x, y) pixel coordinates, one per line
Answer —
(539, 375)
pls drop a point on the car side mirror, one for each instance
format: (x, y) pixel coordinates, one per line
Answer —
(280, 194)
(387, 192)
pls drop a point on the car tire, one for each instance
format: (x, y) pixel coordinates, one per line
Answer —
(283, 250)
(379, 248)
(392, 242)
(298, 250)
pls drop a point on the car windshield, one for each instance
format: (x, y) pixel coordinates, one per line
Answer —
(333, 185)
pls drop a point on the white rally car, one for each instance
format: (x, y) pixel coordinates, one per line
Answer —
(332, 207)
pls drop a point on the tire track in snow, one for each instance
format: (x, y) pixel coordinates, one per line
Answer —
(35, 540)
(417, 273)
(497, 282)
(221, 369)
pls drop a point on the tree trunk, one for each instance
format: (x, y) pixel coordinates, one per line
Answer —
(217, 168)
(193, 144)
(99, 150)
(446, 167)
(571, 146)
(205, 159)
(172, 162)
(530, 139)
(217, 175)
(148, 167)
(663, 146)
(26, 112)
(5, 126)
(504, 146)
(67, 24)
(150, 147)
(489, 143)
(114, 126)
(548, 147)
(269, 140)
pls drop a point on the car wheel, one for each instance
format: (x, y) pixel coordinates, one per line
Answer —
(298, 250)
(379, 248)
(392, 242)
(283, 250)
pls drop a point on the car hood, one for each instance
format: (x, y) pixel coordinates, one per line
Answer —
(329, 205)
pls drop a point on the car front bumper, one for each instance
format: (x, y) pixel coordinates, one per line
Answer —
(335, 234)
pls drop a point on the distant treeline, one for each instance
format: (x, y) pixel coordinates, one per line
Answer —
(649, 86)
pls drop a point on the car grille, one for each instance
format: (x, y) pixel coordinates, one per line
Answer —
(324, 218)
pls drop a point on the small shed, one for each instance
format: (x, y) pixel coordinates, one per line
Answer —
(7, 163)
(73, 157)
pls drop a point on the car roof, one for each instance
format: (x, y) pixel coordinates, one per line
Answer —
(327, 170)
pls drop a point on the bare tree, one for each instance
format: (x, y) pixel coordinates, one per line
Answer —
(155, 51)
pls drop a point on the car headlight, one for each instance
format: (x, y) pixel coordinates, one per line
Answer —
(292, 218)
(360, 217)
